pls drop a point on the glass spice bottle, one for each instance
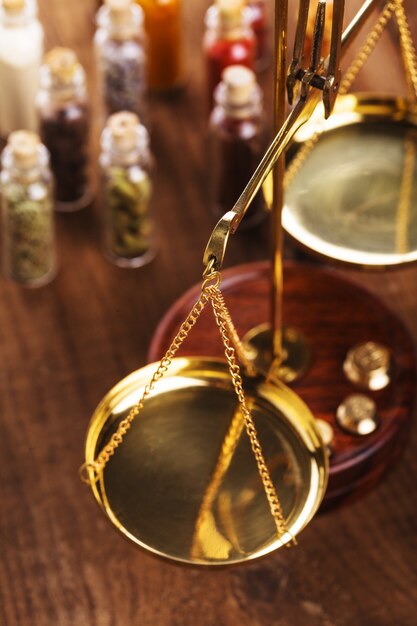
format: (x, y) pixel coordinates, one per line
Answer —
(64, 124)
(228, 40)
(163, 24)
(28, 248)
(121, 56)
(126, 164)
(21, 50)
(258, 20)
(237, 134)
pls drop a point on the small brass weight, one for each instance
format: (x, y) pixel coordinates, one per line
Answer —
(208, 461)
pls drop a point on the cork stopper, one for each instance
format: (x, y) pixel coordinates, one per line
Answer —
(119, 11)
(123, 129)
(63, 65)
(24, 148)
(239, 83)
(230, 12)
(13, 6)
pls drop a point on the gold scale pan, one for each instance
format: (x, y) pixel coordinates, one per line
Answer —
(196, 459)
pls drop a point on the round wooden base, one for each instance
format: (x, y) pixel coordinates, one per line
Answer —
(334, 314)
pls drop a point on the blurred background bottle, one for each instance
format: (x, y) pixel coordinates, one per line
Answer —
(64, 123)
(21, 50)
(28, 248)
(258, 20)
(237, 142)
(228, 40)
(126, 165)
(120, 46)
(163, 24)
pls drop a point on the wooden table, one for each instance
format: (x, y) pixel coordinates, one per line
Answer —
(65, 345)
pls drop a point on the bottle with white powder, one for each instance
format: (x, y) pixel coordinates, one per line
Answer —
(21, 51)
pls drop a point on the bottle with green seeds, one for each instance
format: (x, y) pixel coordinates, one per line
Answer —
(126, 164)
(28, 245)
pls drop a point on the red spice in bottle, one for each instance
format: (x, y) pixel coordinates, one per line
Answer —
(228, 40)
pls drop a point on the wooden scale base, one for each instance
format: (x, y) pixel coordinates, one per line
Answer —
(334, 314)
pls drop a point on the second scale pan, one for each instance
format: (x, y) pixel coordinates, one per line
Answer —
(354, 198)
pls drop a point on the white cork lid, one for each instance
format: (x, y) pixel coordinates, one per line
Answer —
(24, 148)
(123, 129)
(119, 10)
(62, 64)
(239, 82)
(230, 11)
(14, 6)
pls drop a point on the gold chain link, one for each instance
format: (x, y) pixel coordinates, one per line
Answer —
(90, 472)
(222, 316)
(407, 47)
(349, 77)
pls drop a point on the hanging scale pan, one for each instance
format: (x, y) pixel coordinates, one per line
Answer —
(192, 468)
(352, 185)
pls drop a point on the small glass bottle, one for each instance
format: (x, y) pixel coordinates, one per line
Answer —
(21, 50)
(64, 124)
(236, 129)
(126, 164)
(258, 20)
(28, 247)
(228, 40)
(121, 56)
(163, 24)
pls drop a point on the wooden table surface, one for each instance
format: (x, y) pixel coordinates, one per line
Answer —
(63, 346)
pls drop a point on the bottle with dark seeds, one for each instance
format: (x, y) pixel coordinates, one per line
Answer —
(64, 123)
(121, 57)
(237, 142)
(28, 247)
(126, 164)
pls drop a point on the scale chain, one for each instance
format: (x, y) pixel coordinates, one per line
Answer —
(210, 292)
(407, 46)
(90, 472)
(223, 320)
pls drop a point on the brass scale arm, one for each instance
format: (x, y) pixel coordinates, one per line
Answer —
(320, 80)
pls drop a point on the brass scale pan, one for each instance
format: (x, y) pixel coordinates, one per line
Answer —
(354, 200)
(172, 489)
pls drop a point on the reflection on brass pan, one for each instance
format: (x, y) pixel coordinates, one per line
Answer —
(184, 483)
(354, 198)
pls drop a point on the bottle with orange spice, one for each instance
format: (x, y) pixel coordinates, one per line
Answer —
(163, 25)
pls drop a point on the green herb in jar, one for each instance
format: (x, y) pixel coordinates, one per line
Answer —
(28, 246)
(130, 227)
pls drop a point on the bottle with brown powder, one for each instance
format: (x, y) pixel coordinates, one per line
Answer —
(64, 118)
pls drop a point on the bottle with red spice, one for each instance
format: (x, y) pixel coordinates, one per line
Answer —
(64, 123)
(228, 40)
(237, 142)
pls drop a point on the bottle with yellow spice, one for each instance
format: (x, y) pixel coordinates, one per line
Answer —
(163, 25)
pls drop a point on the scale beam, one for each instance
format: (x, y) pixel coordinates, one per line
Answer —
(309, 97)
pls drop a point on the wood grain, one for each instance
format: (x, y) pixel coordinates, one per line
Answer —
(64, 345)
